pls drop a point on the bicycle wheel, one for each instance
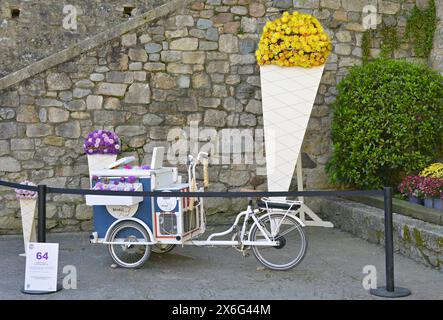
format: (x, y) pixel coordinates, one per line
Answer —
(162, 248)
(292, 242)
(129, 255)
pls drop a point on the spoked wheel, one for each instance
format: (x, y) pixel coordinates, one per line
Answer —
(291, 237)
(162, 248)
(129, 255)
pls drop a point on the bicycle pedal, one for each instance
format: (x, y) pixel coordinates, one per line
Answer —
(245, 254)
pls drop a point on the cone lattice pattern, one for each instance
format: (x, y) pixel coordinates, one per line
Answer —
(288, 95)
(27, 208)
(100, 161)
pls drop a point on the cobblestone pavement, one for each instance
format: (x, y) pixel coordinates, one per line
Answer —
(332, 269)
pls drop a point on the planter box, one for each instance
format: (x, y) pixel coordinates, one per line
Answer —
(96, 200)
(438, 204)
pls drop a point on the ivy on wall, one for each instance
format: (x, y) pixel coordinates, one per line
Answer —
(420, 29)
(390, 41)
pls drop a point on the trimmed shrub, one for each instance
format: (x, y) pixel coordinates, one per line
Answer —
(388, 122)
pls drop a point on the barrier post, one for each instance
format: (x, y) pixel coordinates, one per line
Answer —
(389, 291)
(41, 235)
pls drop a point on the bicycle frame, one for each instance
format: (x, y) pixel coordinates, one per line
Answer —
(249, 213)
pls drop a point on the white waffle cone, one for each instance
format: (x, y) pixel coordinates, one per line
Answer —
(27, 208)
(100, 161)
(288, 95)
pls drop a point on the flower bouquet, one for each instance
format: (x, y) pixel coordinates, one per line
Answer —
(28, 201)
(101, 147)
(432, 190)
(411, 187)
(292, 52)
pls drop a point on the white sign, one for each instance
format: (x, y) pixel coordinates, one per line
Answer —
(167, 204)
(41, 267)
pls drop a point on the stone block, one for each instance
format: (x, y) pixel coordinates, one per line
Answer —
(228, 43)
(184, 44)
(57, 115)
(69, 130)
(58, 81)
(94, 102)
(38, 130)
(138, 93)
(9, 164)
(129, 40)
(138, 55)
(215, 118)
(111, 89)
(194, 57)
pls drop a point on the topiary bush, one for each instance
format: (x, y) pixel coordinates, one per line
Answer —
(388, 122)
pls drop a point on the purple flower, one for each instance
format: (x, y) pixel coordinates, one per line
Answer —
(98, 142)
(94, 178)
(26, 194)
(122, 179)
(132, 179)
(146, 167)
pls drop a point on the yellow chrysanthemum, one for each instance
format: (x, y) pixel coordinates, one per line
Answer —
(294, 40)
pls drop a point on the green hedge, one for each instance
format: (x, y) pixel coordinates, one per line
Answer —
(388, 122)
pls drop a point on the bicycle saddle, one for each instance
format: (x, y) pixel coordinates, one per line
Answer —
(277, 205)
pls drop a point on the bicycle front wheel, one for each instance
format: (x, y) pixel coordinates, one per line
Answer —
(290, 235)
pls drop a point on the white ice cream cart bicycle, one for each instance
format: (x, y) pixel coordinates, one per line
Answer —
(133, 227)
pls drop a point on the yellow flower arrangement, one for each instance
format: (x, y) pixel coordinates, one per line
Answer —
(296, 39)
(435, 170)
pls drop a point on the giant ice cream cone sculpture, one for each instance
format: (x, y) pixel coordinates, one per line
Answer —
(28, 201)
(291, 54)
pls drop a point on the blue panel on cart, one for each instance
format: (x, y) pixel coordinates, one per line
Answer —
(103, 219)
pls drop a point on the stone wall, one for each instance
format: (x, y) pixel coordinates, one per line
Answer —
(413, 238)
(196, 64)
(37, 31)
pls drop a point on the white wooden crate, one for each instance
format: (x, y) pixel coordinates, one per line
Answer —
(98, 200)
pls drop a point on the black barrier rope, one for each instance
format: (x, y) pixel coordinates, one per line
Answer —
(233, 194)
(389, 290)
(18, 186)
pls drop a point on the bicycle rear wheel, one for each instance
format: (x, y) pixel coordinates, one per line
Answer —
(291, 237)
